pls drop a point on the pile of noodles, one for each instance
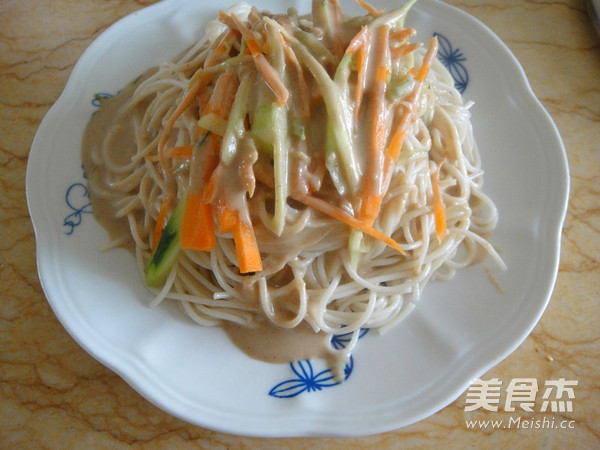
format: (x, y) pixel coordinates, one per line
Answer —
(311, 271)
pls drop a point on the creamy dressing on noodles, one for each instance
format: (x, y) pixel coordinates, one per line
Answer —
(262, 340)
(314, 284)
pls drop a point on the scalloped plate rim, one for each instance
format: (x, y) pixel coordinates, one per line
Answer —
(131, 370)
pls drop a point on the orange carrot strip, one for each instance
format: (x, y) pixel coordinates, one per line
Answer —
(186, 101)
(246, 248)
(359, 40)
(222, 49)
(160, 220)
(402, 34)
(377, 131)
(204, 161)
(224, 94)
(197, 225)
(226, 218)
(359, 44)
(210, 189)
(439, 210)
(361, 64)
(197, 229)
(339, 214)
(303, 90)
(375, 12)
(262, 64)
(396, 144)
(373, 205)
(181, 151)
(405, 49)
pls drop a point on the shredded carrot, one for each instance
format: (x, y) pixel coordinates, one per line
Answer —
(197, 225)
(361, 64)
(204, 161)
(359, 44)
(219, 99)
(224, 94)
(375, 12)
(221, 50)
(226, 218)
(339, 214)
(396, 144)
(262, 64)
(402, 34)
(377, 131)
(303, 90)
(186, 101)
(197, 230)
(246, 248)
(371, 203)
(181, 151)
(210, 189)
(439, 210)
(403, 50)
(161, 220)
(359, 40)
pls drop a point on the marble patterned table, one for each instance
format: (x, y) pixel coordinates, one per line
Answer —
(54, 395)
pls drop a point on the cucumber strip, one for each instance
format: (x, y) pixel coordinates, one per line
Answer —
(213, 123)
(235, 125)
(263, 126)
(158, 268)
(337, 114)
(394, 18)
(281, 140)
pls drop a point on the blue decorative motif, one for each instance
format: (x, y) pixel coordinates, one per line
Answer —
(453, 60)
(99, 96)
(78, 200)
(306, 380)
(97, 100)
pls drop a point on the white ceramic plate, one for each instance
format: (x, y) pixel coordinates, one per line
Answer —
(460, 329)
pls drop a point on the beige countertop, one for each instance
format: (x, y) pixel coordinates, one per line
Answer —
(54, 395)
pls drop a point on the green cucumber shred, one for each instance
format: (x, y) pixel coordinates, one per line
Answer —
(158, 268)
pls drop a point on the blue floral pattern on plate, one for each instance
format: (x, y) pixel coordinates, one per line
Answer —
(453, 59)
(77, 196)
(77, 199)
(306, 380)
(97, 100)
